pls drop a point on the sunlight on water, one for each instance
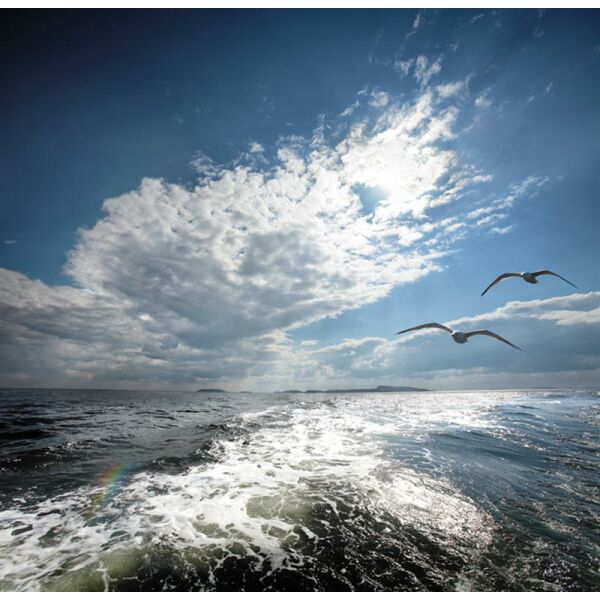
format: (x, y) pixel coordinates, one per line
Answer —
(346, 492)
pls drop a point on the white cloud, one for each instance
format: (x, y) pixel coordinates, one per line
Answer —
(502, 230)
(426, 70)
(404, 66)
(202, 164)
(187, 285)
(490, 219)
(379, 99)
(449, 90)
(483, 101)
(417, 22)
(309, 343)
(495, 208)
(546, 91)
(575, 309)
(350, 109)
(568, 325)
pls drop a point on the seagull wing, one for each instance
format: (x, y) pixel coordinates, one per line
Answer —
(500, 278)
(546, 272)
(491, 334)
(425, 326)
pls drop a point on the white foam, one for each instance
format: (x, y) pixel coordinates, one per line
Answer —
(257, 499)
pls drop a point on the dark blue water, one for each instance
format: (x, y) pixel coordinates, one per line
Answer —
(105, 490)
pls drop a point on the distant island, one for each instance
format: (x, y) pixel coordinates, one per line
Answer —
(379, 388)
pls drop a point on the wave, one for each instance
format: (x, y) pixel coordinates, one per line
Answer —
(285, 487)
(410, 492)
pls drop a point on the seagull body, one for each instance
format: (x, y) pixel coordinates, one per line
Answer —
(525, 276)
(460, 337)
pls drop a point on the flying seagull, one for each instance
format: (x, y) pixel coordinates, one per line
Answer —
(528, 277)
(460, 337)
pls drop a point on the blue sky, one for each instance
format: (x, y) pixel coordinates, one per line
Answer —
(260, 199)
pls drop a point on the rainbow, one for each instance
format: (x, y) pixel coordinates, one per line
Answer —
(109, 480)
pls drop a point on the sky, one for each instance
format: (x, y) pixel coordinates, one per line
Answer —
(260, 199)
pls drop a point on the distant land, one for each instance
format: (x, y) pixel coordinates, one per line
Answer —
(379, 388)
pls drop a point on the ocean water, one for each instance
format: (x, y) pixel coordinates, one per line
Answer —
(491, 490)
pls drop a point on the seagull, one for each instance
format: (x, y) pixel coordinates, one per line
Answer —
(460, 337)
(528, 277)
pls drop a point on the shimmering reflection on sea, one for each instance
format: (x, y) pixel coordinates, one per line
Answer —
(182, 491)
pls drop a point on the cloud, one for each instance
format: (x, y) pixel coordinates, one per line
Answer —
(426, 70)
(379, 99)
(183, 284)
(502, 230)
(576, 309)
(495, 208)
(544, 92)
(203, 164)
(558, 336)
(483, 101)
(451, 89)
(350, 109)
(309, 342)
(417, 22)
(404, 66)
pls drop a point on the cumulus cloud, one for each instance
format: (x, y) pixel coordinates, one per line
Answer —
(179, 284)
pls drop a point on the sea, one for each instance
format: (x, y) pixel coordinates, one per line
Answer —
(187, 491)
